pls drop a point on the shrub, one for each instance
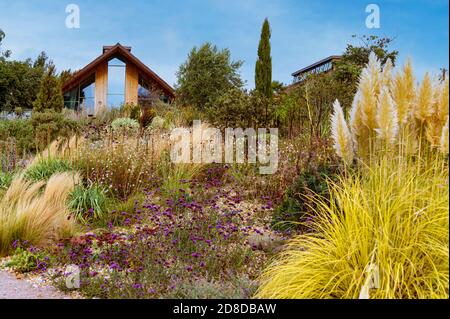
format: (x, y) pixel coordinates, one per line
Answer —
(386, 226)
(297, 205)
(123, 167)
(125, 125)
(131, 111)
(43, 169)
(146, 116)
(49, 125)
(26, 260)
(21, 131)
(28, 213)
(158, 123)
(87, 202)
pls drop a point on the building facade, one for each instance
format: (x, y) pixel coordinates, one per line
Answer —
(114, 78)
(322, 66)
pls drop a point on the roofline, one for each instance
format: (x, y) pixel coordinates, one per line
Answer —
(312, 66)
(118, 48)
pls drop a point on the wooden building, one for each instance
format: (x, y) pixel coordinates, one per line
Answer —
(114, 78)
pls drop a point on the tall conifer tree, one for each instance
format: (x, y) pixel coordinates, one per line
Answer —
(263, 68)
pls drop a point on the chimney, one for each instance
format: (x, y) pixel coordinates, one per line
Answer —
(106, 48)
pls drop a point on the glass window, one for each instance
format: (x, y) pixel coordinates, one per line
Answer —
(71, 99)
(116, 83)
(87, 96)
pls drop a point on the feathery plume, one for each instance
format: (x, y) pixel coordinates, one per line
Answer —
(425, 99)
(341, 134)
(374, 68)
(387, 120)
(444, 139)
(386, 74)
(443, 100)
(367, 99)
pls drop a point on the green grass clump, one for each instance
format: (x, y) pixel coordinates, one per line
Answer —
(88, 202)
(45, 168)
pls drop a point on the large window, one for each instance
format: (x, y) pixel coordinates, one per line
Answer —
(82, 97)
(116, 83)
(87, 96)
(148, 94)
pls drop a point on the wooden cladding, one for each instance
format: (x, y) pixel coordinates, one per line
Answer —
(101, 86)
(131, 84)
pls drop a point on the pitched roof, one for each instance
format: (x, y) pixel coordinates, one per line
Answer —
(110, 52)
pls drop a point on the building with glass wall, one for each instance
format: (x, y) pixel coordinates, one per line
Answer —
(114, 78)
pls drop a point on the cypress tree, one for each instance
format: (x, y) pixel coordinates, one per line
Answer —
(263, 68)
(50, 94)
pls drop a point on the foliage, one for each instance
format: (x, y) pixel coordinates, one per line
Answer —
(146, 116)
(385, 227)
(87, 202)
(36, 212)
(175, 242)
(298, 206)
(49, 96)
(50, 125)
(27, 260)
(122, 167)
(229, 109)
(21, 131)
(263, 67)
(6, 53)
(5, 180)
(207, 72)
(355, 57)
(20, 82)
(236, 108)
(125, 125)
(158, 123)
(43, 169)
(131, 111)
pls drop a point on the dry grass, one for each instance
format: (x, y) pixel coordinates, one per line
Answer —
(36, 212)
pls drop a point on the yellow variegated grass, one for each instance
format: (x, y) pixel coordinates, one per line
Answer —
(36, 212)
(393, 216)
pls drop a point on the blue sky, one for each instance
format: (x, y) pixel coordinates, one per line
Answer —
(162, 33)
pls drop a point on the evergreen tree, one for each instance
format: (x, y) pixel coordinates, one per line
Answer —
(263, 68)
(50, 93)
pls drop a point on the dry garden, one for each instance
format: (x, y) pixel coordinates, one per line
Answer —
(358, 207)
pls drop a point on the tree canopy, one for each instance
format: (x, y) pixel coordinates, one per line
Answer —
(207, 73)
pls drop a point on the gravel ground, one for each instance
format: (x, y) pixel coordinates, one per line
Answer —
(13, 288)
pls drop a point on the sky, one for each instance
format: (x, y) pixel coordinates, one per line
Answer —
(161, 33)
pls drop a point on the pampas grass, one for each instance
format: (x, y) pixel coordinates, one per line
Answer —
(444, 139)
(387, 120)
(36, 212)
(389, 110)
(383, 234)
(341, 134)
